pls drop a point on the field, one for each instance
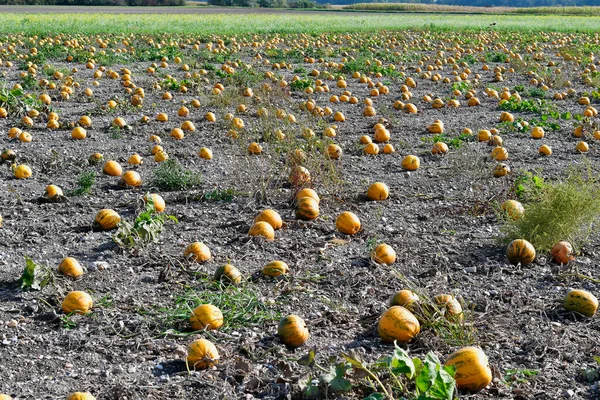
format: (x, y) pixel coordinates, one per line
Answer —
(224, 116)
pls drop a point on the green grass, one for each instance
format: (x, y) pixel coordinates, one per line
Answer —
(232, 23)
(84, 184)
(568, 209)
(171, 175)
(240, 305)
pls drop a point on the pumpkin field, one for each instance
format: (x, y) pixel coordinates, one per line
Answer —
(363, 214)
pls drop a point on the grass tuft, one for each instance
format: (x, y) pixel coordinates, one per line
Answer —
(170, 175)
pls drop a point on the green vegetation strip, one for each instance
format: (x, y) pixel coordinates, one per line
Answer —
(234, 23)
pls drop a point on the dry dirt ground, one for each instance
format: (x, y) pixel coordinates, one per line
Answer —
(440, 219)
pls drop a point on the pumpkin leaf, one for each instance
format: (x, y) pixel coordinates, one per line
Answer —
(339, 383)
(428, 373)
(308, 359)
(308, 388)
(34, 276)
(375, 396)
(401, 363)
(353, 361)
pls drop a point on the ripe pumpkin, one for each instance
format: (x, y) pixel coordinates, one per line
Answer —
(545, 150)
(334, 151)
(262, 228)
(473, 371)
(228, 274)
(206, 316)
(582, 147)
(398, 323)
(582, 302)
(514, 209)
(157, 201)
(292, 331)
(22, 171)
(202, 354)
(348, 223)
(307, 208)
(384, 254)
(275, 268)
(272, 217)
(371, 149)
(562, 252)
(5, 397)
(520, 251)
(53, 192)
(299, 176)
(77, 302)
(112, 168)
(81, 396)
(439, 148)
(205, 153)
(198, 251)
(70, 267)
(537, 132)
(307, 192)
(501, 170)
(107, 219)
(378, 191)
(135, 159)
(405, 298)
(131, 178)
(411, 163)
(452, 307)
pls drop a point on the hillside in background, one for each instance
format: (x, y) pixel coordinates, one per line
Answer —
(484, 3)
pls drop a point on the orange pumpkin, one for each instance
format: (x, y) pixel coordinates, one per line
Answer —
(411, 163)
(198, 251)
(157, 201)
(452, 308)
(262, 228)
(582, 302)
(348, 223)
(228, 274)
(292, 331)
(307, 192)
(112, 168)
(272, 217)
(206, 316)
(131, 178)
(307, 208)
(398, 323)
(562, 252)
(77, 302)
(405, 298)
(473, 371)
(378, 191)
(107, 219)
(70, 267)
(384, 254)
(202, 354)
(514, 209)
(81, 396)
(275, 268)
(520, 251)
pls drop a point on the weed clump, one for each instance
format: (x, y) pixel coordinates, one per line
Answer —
(565, 210)
(170, 175)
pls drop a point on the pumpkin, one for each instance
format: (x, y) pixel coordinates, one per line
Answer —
(53, 192)
(388, 149)
(254, 148)
(537, 132)
(520, 251)
(131, 178)
(307, 208)
(398, 324)
(206, 316)
(501, 170)
(70, 267)
(177, 134)
(334, 151)
(228, 274)
(405, 298)
(562, 252)
(452, 308)
(81, 396)
(499, 153)
(8, 155)
(275, 268)
(582, 302)
(162, 117)
(384, 254)
(307, 192)
(582, 147)
(439, 148)
(95, 158)
(272, 217)
(5, 397)
(161, 156)
(106, 219)
(135, 159)
(411, 163)
(77, 302)
(483, 135)
(112, 168)
(473, 371)
(262, 228)
(78, 133)
(378, 191)
(371, 149)
(22, 171)
(514, 209)
(348, 223)
(205, 153)
(157, 201)
(382, 135)
(198, 251)
(292, 331)
(545, 150)
(299, 176)
(202, 354)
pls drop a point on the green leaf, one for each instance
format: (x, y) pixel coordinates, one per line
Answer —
(339, 383)
(401, 363)
(353, 361)
(33, 276)
(597, 358)
(375, 396)
(443, 386)
(308, 359)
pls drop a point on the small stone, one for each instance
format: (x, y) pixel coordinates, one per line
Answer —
(98, 266)
(470, 270)
(12, 323)
(68, 365)
(569, 393)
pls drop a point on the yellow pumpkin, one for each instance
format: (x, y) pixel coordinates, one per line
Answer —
(411, 163)
(348, 223)
(384, 254)
(398, 323)
(473, 371)
(78, 133)
(70, 267)
(501, 170)
(582, 302)
(135, 159)
(520, 251)
(131, 178)
(202, 354)
(275, 268)
(206, 316)
(307, 208)
(53, 192)
(262, 228)
(22, 171)
(272, 217)
(95, 158)
(499, 153)
(292, 331)
(452, 308)
(439, 148)
(228, 274)
(371, 149)
(157, 201)
(378, 191)
(5, 397)
(483, 135)
(198, 251)
(545, 150)
(81, 396)
(107, 219)
(582, 147)
(77, 302)
(112, 168)
(514, 209)
(405, 298)
(254, 148)
(307, 192)
(537, 132)
(205, 153)
(334, 151)
(299, 176)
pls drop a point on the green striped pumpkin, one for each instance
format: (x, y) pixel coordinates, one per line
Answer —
(520, 251)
